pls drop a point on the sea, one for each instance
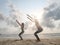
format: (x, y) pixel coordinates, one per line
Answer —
(31, 36)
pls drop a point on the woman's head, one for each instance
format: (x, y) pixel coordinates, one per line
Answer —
(22, 23)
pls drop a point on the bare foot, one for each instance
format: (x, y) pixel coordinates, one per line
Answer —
(38, 40)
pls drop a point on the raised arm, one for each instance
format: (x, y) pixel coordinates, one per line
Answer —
(30, 18)
(18, 22)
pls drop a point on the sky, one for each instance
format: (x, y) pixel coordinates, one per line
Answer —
(25, 6)
(43, 10)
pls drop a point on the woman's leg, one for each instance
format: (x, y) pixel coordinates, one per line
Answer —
(37, 35)
(21, 34)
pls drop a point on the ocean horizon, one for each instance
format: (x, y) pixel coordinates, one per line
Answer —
(31, 36)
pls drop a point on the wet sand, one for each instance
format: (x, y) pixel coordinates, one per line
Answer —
(29, 42)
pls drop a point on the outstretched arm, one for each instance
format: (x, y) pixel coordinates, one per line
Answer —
(30, 18)
(18, 22)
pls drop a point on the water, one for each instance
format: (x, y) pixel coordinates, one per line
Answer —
(31, 36)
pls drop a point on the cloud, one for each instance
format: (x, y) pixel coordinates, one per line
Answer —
(52, 15)
(51, 6)
(10, 24)
(1, 17)
(54, 1)
(50, 18)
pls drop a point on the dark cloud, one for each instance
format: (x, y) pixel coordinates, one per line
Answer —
(51, 6)
(1, 17)
(52, 14)
(55, 14)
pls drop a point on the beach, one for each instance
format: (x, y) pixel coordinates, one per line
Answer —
(29, 42)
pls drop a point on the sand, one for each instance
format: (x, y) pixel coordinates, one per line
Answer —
(29, 42)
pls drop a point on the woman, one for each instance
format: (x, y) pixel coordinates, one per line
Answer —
(39, 28)
(22, 29)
